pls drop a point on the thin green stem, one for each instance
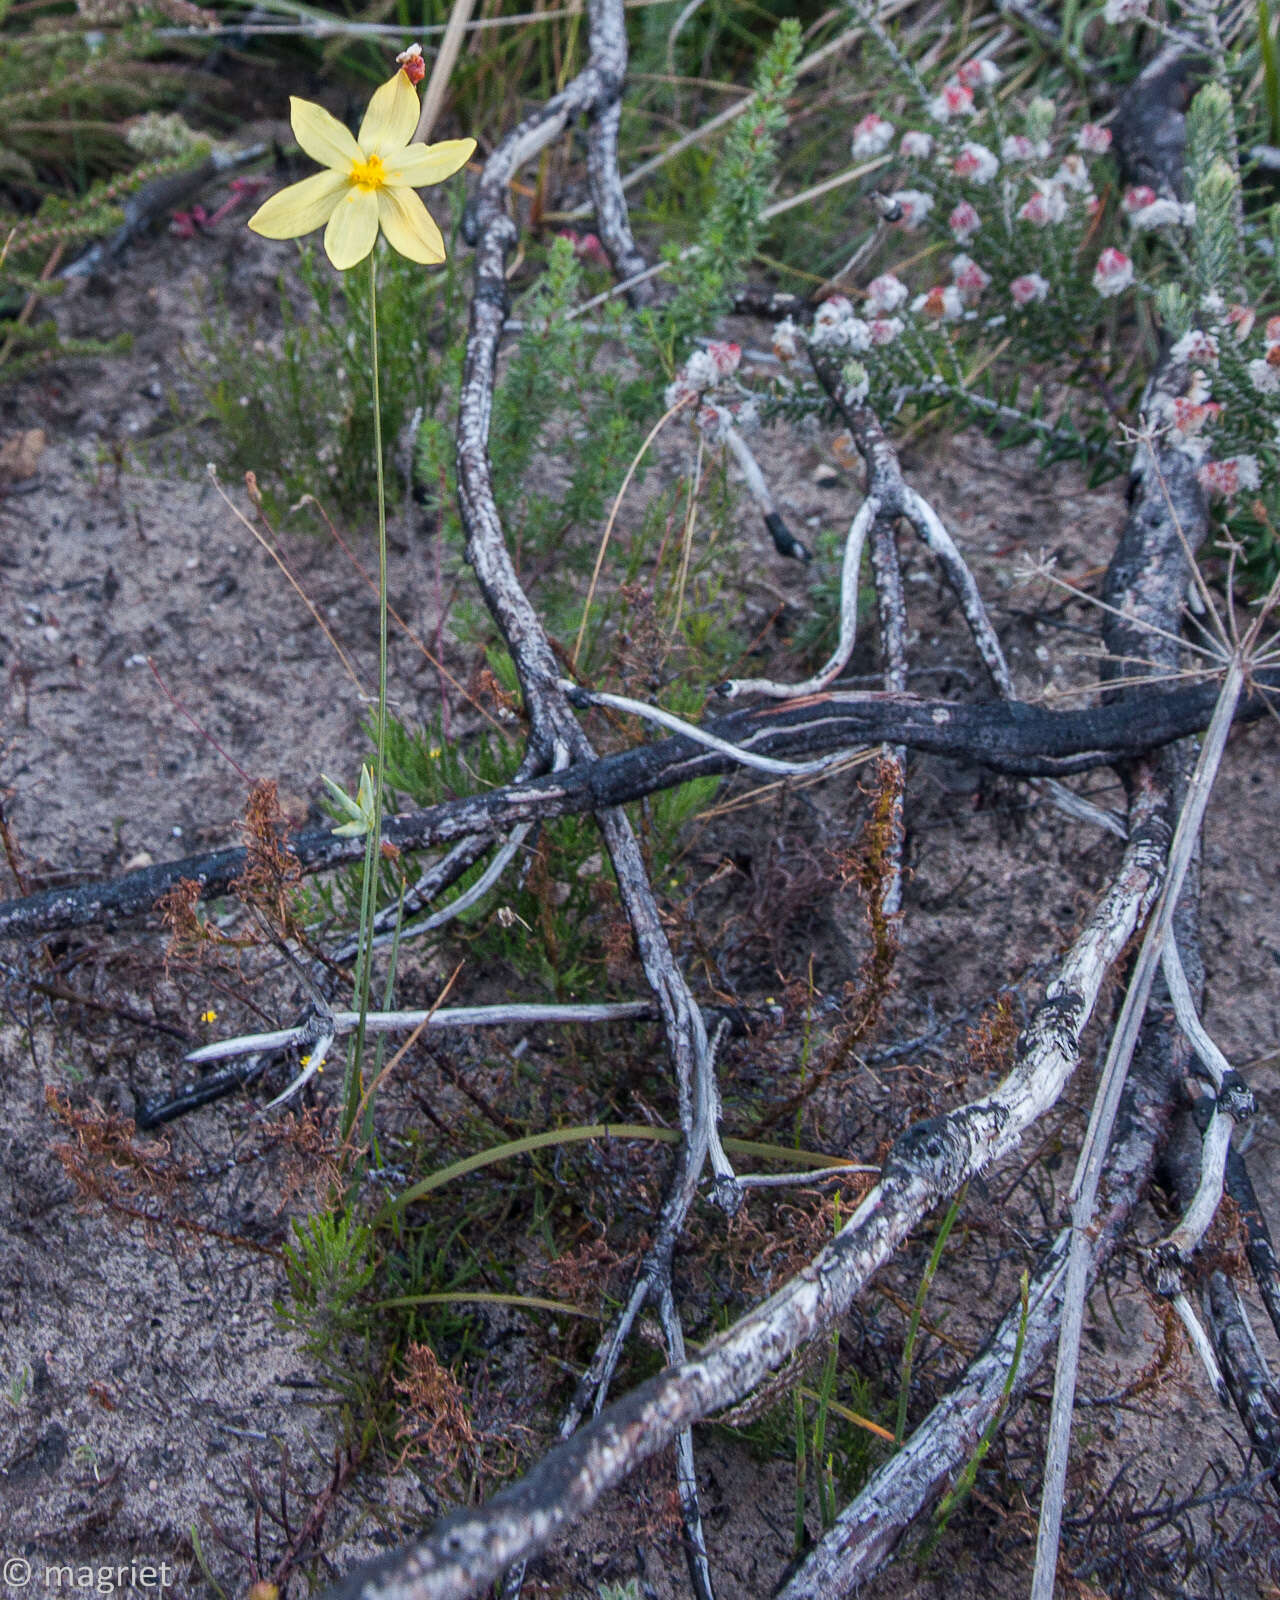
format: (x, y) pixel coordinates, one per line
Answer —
(917, 1313)
(372, 857)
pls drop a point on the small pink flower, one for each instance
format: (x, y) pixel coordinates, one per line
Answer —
(1018, 147)
(964, 222)
(1242, 319)
(1272, 333)
(1138, 198)
(916, 146)
(1074, 174)
(835, 308)
(1113, 273)
(699, 371)
(1162, 214)
(1196, 346)
(943, 303)
(871, 136)
(1190, 414)
(587, 247)
(714, 421)
(884, 330)
(1093, 139)
(955, 100)
(885, 293)
(1229, 477)
(983, 72)
(1045, 206)
(414, 67)
(786, 340)
(969, 277)
(914, 205)
(1031, 286)
(976, 163)
(186, 224)
(725, 357)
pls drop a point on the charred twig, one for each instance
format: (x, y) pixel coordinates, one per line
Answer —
(1249, 1381)
(1014, 738)
(1259, 1249)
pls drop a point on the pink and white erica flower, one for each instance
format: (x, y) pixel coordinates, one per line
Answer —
(968, 277)
(916, 146)
(886, 293)
(586, 246)
(979, 73)
(835, 327)
(1264, 376)
(1113, 273)
(955, 99)
(1138, 198)
(884, 330)
(679, 392)
(976, 163)
(1231, 476)
(726, 357)
(1191, 413)
(699, 371)
(964, 222)
(943, 303)
(913, 204)
(714, 421)
(1197, 345)
(1028, 288)
(1093, 139)
(1162, 214)
(1020, 147)
(1271, 333)
(1074, 174)
(1047, 205)
(1242, 319)
(786, 340)
(871, 137)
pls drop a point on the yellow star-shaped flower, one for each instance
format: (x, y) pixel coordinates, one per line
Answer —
(369, 181)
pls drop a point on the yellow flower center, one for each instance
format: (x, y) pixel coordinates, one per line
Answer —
(369, 174)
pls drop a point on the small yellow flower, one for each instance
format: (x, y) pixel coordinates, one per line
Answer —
(208, 1016)
(368, 182)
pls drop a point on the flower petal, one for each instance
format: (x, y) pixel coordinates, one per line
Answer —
(352, 229)
(409, 226)
(322, 136)
(421, 164)
(300, 208)
(391, 119)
